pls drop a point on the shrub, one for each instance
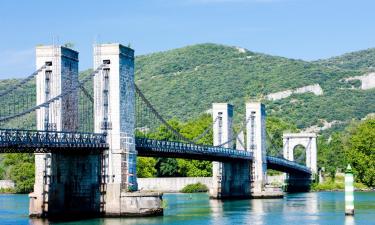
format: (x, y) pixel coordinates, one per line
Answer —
(194, 188)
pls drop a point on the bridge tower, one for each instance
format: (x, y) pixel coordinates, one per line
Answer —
(297, 182)
(256, 143)
(308, 141)
(229, 179)
(62, 182)
(114, 114)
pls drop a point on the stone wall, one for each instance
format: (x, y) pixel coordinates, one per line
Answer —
(175, 184)
(4, 184)
(171, 184)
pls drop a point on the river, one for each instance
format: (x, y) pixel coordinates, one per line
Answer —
(301, 209)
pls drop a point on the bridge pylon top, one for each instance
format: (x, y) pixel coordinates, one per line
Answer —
(299, 135)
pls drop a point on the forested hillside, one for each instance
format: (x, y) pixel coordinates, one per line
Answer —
(184, 82)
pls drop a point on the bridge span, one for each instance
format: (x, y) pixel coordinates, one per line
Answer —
(88, 132)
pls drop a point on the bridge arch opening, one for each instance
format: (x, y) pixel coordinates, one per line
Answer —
(299, 154)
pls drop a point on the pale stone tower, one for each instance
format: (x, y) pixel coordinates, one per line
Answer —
(222, 114)
(256, 143)
(308, 141)
(62, 115)
(114, 114)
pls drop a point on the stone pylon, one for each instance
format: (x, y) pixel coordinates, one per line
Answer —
(256, 143)
(229, 179)
(308, 141)
(51, 170)
(114, 114)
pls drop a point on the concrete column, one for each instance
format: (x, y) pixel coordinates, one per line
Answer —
(256, 142)
(287, 152)
(114, 114)
(313, 155)
(60, 74)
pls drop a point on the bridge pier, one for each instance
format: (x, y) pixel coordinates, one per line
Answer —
(114, 113)
(229, 179)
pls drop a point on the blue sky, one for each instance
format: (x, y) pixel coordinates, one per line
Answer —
(304, 29)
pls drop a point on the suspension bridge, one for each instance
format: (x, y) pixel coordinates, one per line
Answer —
(87, 130)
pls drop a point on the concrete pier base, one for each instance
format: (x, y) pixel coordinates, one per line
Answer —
(133, 204)
(349, 212)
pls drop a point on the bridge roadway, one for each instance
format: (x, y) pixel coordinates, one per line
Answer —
(29, 141)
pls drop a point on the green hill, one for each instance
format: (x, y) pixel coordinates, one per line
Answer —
(184, 82)
(360, 60)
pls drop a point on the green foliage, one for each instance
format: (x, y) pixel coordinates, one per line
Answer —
(21, 170)
(329, 185)
(7, 191)
(275, 128)
(193, 77)
(23, 175)
(360, 150)
(182, 167)
(146, 167)
(335, 184)
(363, 60)
(194, 168)
(194, 188)
(300, 154)
(331, 154)
(167, 167)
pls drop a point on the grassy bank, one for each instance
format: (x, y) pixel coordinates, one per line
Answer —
(337, 184)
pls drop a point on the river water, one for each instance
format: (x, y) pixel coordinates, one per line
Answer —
(300, 209)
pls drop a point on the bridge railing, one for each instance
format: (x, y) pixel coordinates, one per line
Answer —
(288, 163)
(182, 148)
(10, 137)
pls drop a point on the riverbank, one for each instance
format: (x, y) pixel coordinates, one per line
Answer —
(8, 191)
(337, 184)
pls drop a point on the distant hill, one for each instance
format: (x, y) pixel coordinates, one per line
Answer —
(184, 82)
(360, 60)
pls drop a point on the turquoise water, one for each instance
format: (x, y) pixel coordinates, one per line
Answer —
(300, 209)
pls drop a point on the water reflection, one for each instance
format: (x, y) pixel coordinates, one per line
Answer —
(187, 209)
(349, 220)
(258, 212)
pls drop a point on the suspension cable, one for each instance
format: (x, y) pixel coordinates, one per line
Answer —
(206, 131)
(22, 82)
(238, 133)
(178, 134)
(45, 104)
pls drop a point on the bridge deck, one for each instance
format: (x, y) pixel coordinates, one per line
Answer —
(29, 141)
(170, 149)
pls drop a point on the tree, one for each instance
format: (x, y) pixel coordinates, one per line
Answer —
(146, 167)
(167, 167)
(360, 151)
(21, 170)
(275, 128)
(331, 154)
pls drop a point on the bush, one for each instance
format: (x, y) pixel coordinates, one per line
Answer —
(194, 188)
